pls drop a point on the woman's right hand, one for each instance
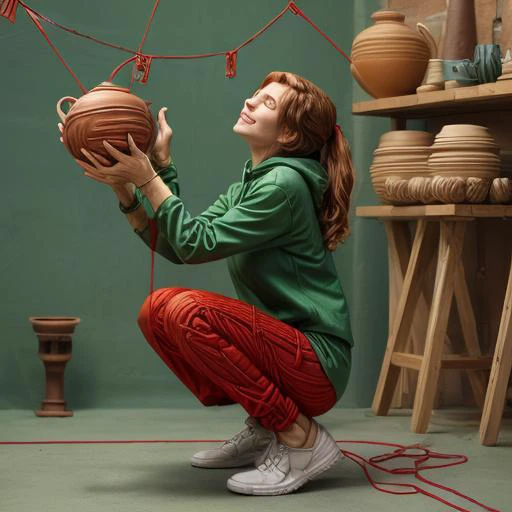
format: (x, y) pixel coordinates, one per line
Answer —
(125, 189)
(160, 153)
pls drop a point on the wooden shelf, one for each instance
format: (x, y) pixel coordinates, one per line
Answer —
(435, 211)
(478, 98)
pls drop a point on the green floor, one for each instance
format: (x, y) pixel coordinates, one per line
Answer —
(158, 477)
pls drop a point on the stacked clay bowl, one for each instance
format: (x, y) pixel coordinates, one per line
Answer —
(389, 58)
(464, 161)
(402, 155)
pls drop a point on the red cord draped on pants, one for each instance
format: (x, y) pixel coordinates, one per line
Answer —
(227, 351)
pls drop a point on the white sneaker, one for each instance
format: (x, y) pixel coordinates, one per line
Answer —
(286, 469)
(248, 447)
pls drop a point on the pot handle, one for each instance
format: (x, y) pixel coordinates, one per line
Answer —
(428, 38)
(61, 114)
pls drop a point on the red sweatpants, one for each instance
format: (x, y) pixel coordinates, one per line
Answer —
(227, 351)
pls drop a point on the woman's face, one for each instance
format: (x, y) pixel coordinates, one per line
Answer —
(257, 123)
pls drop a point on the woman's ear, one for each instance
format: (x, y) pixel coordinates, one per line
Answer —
(286, 136)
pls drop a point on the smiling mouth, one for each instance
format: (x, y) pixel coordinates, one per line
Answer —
(244, 118)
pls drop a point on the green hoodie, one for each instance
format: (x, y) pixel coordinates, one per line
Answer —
(266, 225)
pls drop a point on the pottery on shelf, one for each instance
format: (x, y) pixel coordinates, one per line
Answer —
(434, 77)
(464, 161)
(54, 334)
(506, 71)
(401, 156)
(389, 58)
(107, 112)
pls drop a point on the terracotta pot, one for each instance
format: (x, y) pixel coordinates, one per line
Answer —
(107, 112)
(389, 58)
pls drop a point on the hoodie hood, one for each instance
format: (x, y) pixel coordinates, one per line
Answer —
(311, 171)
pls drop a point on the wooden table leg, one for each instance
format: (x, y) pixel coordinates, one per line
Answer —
(450, 248)
(477, 379)
(500, 373)
(399, 253)
(423, 249)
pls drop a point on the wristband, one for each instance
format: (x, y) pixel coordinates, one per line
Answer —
(131, 208)
(152, 178)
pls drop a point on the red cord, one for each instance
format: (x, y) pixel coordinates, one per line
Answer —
(399, 452)
(41, 29)
(143, 61)
(296, 10)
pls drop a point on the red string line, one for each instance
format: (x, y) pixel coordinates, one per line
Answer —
(73, 31)
(230, 55)
(143, 61)
(33, 17)
(419, 460)
(140, 63)
(401, 451)
(297, 11)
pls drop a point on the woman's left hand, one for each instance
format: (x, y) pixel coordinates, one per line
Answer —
(134, 168)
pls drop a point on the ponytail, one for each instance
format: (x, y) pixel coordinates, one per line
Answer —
(337, 160)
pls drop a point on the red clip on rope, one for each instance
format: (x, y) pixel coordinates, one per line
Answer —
(8, 9)
(143, 63)
(231, 64)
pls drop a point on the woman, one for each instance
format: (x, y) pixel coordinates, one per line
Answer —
(282, 349)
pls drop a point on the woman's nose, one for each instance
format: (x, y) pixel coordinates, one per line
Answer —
(249, 102)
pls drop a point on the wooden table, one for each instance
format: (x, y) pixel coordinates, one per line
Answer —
(439, 234)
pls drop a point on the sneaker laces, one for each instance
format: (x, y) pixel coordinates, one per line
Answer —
(274, 457)
(246, 432)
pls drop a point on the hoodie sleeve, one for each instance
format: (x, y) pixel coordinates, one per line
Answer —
(259, 221)
(162, 246)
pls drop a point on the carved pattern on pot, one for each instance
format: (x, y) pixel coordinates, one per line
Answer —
(107, 112)
(389, 58)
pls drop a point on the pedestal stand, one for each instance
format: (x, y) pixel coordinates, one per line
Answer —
(54, 333)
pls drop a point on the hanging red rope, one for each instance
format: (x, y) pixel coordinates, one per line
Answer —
(142, 64)
(143, 61)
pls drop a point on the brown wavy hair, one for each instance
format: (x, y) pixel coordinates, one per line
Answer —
(308, 115)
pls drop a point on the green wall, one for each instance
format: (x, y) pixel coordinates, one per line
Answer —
(67, 250)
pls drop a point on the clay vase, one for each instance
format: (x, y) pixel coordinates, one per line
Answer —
(460, 36)
(434, 77)
(107, 112)
(390, 58)
(54, 334)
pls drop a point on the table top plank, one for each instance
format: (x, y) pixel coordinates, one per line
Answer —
(450, 211)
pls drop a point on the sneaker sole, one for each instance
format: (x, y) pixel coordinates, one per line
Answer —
(221, 464)
(310, 474)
